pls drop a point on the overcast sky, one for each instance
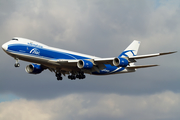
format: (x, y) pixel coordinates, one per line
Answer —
(102, 28)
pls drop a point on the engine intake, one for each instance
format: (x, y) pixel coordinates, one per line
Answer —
(84, 64)
(120, 62)
(34, 69)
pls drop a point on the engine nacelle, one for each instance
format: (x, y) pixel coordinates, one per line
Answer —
(84, 64)
(120, 62)
(34, 69)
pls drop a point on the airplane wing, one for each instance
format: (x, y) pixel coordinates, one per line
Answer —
(140, 66)
(63, 62)
(150, 55)
(109, 60)
(99, 63)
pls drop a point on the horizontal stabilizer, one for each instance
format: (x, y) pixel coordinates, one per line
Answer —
(150, 55)
(141, 66)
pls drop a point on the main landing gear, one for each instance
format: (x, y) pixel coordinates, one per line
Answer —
(17, 63)
(73, 76)
(80, 75)
(59, 77)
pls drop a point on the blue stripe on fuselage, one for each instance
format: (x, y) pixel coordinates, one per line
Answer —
(53, 54)
(42, 52)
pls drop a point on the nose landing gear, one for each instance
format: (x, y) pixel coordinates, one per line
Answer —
(17, 63)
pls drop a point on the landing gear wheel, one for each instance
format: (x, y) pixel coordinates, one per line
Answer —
(72, 77)
(59, 78)
(17, 65)
(81, 75)
(58, 75)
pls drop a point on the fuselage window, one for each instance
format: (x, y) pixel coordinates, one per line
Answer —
(15, 39)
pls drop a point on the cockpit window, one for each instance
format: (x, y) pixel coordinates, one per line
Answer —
(15, 39)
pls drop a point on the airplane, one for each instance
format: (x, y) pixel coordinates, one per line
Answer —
(73, 64)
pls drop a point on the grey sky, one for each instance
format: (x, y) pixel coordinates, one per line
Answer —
(102, 28)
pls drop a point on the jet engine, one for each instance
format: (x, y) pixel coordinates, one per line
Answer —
(120, 62)
(34, 69)
(84, 64)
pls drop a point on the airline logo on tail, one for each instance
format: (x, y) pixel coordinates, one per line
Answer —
(125, 53)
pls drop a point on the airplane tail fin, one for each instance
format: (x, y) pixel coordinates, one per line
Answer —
(131, 50)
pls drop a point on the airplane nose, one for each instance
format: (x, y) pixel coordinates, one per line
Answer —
(4, 46)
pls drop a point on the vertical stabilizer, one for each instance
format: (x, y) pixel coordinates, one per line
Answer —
(131, 50)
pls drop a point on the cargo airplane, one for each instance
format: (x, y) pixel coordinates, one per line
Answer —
(73, 64)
